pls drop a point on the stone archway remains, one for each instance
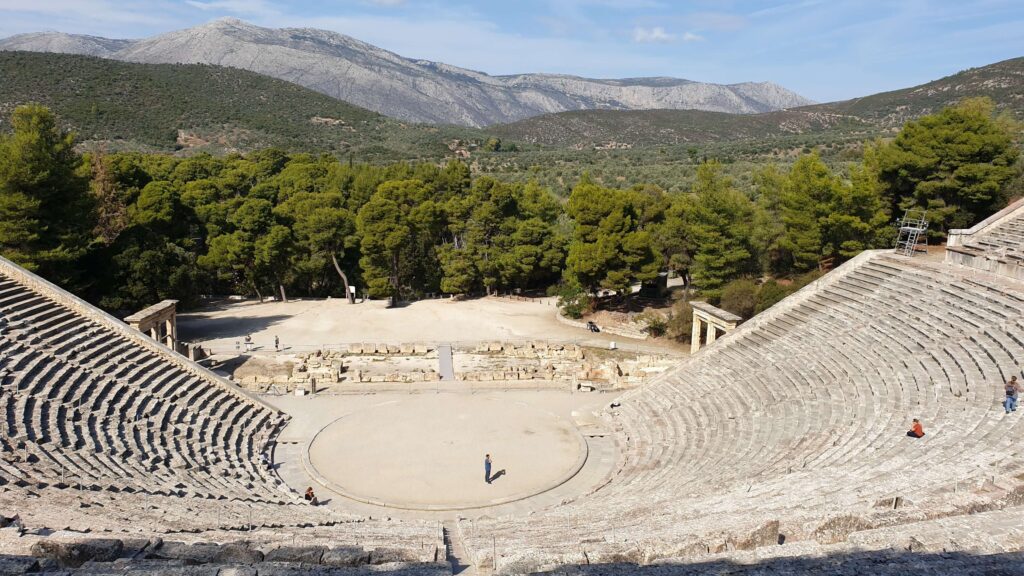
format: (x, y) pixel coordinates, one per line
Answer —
(159, 322)
(713, 319)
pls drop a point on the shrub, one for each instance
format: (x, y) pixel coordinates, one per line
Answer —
(770, 293)
(654, 324)
(573, 300)
(740, 297)
(805, 279)
(680, 321)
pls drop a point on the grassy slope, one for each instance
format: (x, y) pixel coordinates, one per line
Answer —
(145, 106)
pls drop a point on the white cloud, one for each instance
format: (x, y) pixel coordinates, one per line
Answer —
(691, 37)
(655, 34)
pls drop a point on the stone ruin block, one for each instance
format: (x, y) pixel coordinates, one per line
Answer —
(836, 530)
(420, 349)
(765, 535)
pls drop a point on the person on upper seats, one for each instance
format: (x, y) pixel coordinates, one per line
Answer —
(916, 430)
(310, 497)
(1013, 390)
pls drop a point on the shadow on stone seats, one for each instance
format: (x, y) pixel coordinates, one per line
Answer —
(890, 562)
(875, 563)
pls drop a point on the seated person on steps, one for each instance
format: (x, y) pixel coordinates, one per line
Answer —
(916, 430)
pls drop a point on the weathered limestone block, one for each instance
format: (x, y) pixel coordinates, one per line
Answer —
(766, 535)
(915, 545)
(388, 555)
(74, 554)
(190, 553)
(304, 554)
(687, 550)
(345, 556)
(237, 571)
(237, 554)
(420, 349)
(18, 565)
(835, 530)
(629, 555)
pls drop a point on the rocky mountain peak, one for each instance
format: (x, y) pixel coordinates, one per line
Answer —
(408, 89)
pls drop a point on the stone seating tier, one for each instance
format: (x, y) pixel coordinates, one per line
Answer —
(85, 404)
(791, 427)
(803, 418)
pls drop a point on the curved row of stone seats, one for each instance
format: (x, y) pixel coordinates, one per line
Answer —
(336, 547)
(994, 245)
(86, 401)
(130, 516)
(800, 416)
(1007, 235)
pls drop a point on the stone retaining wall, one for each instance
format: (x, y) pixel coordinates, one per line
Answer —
(537, 361)
(617, 330)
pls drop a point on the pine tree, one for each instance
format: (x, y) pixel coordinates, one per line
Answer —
(46, 212)
(719, 230)
(956, 164)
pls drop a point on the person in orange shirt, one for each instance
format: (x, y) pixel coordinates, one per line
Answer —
(916, 431)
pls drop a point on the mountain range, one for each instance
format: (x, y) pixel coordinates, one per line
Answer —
(411, 90)
(858, 118)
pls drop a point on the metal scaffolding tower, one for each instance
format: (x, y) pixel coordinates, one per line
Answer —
(912, 229)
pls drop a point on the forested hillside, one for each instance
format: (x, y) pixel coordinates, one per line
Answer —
(167, 107)
(129, 229)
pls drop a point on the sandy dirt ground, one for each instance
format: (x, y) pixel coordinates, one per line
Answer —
(427, 450)
(310, 324)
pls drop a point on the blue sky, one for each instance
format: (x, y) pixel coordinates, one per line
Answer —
(825, 50)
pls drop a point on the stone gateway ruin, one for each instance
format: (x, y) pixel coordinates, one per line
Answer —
(779, 447)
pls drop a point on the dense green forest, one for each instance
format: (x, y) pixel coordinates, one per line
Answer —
(195, 107)
(128, 229)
